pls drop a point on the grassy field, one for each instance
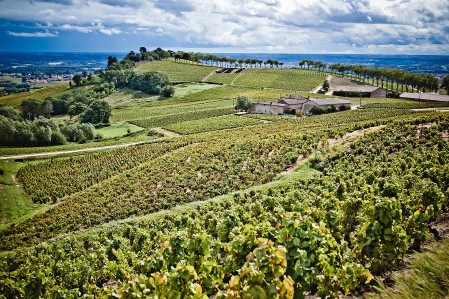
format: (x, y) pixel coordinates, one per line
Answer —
(179, 72)
(118, 130)
(126, 97)
(223, 78)
(16, 99)
(212, 124)
(182, 90)
(427, 276)
(15, 204)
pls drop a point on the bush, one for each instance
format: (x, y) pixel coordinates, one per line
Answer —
(243, 102)
(168, 91)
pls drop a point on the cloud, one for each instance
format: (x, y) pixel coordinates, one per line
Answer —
(258, 24)
(110, 31)
(76, 28)
(33, 34)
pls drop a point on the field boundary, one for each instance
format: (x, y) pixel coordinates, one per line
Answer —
(90, 149)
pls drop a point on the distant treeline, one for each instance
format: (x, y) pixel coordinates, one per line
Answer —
(389, 76)
(12, 87)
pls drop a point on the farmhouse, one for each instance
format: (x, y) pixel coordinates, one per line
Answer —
(356, 90)
(268, 108)
(424, 97)
(296, 103)
(325, 103)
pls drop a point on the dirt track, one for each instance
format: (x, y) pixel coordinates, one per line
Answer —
(91, 149)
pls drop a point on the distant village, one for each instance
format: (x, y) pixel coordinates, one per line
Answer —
(37, 79)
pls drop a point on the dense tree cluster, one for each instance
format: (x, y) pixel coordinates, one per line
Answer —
(129, 61)
(330, 109)
(87, 104)
(12, 87)
(149, 82)
(40, 131)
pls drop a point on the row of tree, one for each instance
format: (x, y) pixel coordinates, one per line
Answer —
(391, 77)
(221, 61)
(312, 64)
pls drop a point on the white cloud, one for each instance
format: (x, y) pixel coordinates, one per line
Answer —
(110, 31)
(77, 28)
(33, 34)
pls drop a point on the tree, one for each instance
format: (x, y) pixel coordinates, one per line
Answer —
(31, 109)
(111, 61)
(326, 85)
(97, 112)
(243, 102)
(76, 109)
(47, 108)
(445, 84)
(77, 79)
(142, 50)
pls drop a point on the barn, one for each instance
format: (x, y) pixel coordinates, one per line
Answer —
(268, 108)
(357, 90)
(425, 97)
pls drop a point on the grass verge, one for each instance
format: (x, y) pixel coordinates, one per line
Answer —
(427, 277)
(15, 204)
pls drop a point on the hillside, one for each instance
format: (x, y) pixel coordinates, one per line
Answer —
(207, 202)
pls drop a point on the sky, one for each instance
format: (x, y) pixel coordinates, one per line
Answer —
(227, 26)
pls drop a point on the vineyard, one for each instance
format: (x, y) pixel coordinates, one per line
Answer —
(54, 179)
(149, 112)
(281, 78)
(211, 124)
(327, 235)
(41, 94)
(163, 121)
(216, 204)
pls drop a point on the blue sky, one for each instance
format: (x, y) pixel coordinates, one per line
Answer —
(225, 26)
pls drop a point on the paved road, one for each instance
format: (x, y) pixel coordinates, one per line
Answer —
(27, 156)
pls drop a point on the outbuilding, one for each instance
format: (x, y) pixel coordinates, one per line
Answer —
(268, 108)
(425, 97)
(359, 90)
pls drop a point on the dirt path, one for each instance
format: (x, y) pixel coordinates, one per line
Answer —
(14, 180)
(91, 149)
(328, 78)
(208, 76)
(166, 132)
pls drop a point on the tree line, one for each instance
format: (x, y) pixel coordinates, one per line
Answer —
(389, 77)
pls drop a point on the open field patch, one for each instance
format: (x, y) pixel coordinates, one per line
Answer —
(118, 130)
(178, 72)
